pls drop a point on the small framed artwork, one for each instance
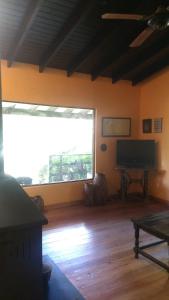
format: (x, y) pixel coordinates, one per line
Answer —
(116, 127)
(103, 147)
(147, 125)
(157, 125)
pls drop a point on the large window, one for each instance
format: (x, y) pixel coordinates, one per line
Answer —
(47, 144)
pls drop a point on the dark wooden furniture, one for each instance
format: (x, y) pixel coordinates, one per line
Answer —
(126, 180)
(20, 243)
(156, 225)
(96, 192)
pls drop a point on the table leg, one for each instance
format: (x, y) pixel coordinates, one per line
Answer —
(136, 248)
(145, 184)
(123, 185)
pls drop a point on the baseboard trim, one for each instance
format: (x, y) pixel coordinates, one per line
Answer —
(64, 204)
(81, 202)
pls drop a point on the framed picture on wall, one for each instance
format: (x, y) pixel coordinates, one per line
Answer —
(147, 125)
(157, 125)
(116, 127)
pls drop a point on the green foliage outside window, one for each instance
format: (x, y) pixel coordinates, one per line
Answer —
(69, 167)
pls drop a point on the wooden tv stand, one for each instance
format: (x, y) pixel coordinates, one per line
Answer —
(126, 180)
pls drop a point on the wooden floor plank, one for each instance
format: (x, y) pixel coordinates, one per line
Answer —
(93, 246)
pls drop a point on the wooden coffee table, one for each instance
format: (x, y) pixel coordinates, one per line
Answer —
(156, 225)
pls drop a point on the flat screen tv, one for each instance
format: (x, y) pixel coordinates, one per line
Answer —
(136, 153)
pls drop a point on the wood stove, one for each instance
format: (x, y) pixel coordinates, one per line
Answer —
(20, 244)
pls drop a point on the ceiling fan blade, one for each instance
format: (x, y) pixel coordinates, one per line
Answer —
(111, 16)
(140, 39)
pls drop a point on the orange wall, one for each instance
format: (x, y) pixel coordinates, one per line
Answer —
(154, 103)
(24, 83)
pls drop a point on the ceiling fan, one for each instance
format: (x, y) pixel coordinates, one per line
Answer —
(159, 20)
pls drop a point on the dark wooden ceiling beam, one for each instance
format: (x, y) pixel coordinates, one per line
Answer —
(137, 59)
(24, 27)
(122, 42)
(122, 45)
(82, 9)
(107, 61)
(140, 67)
(93, 45)
(150, 72)
(157, 62)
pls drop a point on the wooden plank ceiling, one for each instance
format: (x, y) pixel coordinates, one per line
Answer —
(71, 35)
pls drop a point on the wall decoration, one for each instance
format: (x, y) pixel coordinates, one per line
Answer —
(116, 126)
(103, 147)
(147, 125)
(157, 125)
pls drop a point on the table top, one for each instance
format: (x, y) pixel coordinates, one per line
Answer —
(156, 224)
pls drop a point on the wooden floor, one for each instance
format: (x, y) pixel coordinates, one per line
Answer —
(93, 247)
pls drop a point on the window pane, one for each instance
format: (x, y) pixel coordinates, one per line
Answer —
(46, 144)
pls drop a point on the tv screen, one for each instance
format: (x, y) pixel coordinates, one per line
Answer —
(136, 153)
